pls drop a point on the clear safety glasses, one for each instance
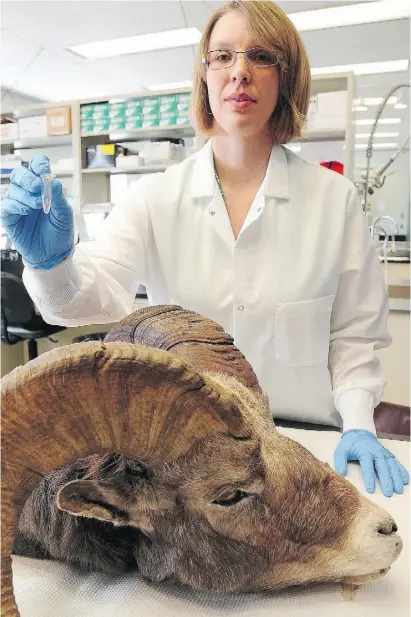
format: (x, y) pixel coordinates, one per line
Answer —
(258, 57)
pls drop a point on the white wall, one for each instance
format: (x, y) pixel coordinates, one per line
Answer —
(11, 100)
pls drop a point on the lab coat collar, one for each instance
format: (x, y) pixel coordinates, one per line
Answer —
(275, 184)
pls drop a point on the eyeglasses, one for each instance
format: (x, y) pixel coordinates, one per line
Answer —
(258, 57)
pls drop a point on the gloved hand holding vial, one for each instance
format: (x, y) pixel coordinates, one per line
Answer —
(42, 240)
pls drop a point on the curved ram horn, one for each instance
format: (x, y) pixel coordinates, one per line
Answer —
(197, 340)
(96, 398)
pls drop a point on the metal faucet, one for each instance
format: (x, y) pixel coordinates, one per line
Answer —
(377, 226)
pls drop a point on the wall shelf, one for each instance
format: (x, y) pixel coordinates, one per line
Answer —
(144, 169)
(42, 142)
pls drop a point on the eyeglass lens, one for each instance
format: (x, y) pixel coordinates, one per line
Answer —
(257, 56)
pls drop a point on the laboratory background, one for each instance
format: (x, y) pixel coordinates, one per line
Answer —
(102, 88)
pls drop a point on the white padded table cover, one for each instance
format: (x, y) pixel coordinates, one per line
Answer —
(52, 589)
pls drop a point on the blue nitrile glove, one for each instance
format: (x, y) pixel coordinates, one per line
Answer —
(363, 446)
(43, 240)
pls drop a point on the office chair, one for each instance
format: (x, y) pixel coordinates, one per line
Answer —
(19, 320)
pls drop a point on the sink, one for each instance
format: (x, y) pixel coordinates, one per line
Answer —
(402, 252)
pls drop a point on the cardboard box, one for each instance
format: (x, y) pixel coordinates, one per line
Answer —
(58, 121)
(9, 130)
(34, 126)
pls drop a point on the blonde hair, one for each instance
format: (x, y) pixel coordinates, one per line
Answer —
(272, 28)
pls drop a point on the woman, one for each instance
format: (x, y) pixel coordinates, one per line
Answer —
(244, 232)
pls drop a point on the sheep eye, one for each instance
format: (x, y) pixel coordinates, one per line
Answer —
(237, 496)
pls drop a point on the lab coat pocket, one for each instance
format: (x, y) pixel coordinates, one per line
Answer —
(303, 332)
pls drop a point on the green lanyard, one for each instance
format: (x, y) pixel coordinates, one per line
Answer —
(219, 184)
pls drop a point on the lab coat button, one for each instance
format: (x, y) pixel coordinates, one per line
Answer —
(212, 212)
(240, 308)
(259, 209)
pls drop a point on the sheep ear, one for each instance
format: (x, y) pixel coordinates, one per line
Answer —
(85, 498)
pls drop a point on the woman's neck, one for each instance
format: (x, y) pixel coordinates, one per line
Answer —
(241, 160)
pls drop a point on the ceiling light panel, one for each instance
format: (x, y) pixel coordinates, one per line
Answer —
(366, 68)
(384, 134)
(350, 15)
(370, 121)
(182, 37)
(380, 146)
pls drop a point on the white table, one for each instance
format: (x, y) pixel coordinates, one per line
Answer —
(49, 589)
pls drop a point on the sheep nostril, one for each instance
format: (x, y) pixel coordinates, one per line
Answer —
(386, 531)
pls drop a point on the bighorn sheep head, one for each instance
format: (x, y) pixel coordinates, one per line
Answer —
(202, 489)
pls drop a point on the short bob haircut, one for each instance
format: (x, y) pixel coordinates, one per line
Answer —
(271, 27)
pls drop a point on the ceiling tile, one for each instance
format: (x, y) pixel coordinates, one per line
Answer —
(105, 20)
(16, 54)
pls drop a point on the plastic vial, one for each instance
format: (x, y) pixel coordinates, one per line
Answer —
(46, 191)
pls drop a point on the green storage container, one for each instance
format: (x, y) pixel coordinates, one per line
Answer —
(117, 125)
(134, 118)
(168, 98)
(182, 121)
(150, 116)
(100, 114)
(117, 105)
(116, 114)
(135, 104)
(165, 115)
(87, 126)
(151, 100)
(148, 110)
(87, 108)
(184, 97)
(134, 124)
(101, 126)
(167, 107)
(168, 121)
(132, 112)
(183, 107)
(148, 124)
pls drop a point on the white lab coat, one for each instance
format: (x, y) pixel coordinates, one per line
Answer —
(300, 290)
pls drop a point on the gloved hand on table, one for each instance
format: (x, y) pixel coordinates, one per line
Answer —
(363, 446)
(43, 240)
